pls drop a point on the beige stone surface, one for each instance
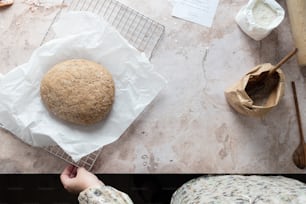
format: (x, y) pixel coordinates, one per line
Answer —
(189, 127)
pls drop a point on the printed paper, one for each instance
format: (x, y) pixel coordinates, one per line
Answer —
(198, 11)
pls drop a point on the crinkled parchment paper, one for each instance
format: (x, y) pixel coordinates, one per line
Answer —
(78, 35)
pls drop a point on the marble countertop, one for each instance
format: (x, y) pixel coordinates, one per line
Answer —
(189, 127)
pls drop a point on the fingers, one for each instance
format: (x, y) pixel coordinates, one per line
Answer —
(76, 179)
(67, 171)
(67, 176)
(81, 170)
(73, 172)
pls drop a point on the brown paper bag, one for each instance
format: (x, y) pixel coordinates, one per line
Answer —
(253, 96)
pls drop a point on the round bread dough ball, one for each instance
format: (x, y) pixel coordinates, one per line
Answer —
(241, 189)
(78, 91)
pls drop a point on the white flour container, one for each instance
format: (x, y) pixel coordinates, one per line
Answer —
(259, 17)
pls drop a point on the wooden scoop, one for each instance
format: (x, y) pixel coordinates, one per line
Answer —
(265, 75)
(299, 155)
(262, 85)
(283, 61)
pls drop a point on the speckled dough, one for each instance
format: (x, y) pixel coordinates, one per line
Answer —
(232, 189)
(78, 91)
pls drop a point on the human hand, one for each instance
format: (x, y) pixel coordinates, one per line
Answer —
(76, 179)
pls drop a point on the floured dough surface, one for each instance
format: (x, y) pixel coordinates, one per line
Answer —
(78, 91)
(232, 189)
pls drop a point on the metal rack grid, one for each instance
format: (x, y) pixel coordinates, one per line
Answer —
(87, 162)
(140, 31)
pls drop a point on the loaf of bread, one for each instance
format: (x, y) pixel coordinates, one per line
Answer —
(4, 3)
(78, 91)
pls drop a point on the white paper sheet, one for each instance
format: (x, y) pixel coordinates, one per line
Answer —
(198, 11)
(136, 82)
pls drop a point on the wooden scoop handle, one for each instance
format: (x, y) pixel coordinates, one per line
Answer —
(283, 61)
(297, 109)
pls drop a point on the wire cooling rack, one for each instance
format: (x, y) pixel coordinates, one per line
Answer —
(87, 162)
(140, 31)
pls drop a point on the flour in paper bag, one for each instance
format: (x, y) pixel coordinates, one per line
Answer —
(259, 17)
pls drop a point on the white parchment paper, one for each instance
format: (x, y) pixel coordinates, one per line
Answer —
(78, 35)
